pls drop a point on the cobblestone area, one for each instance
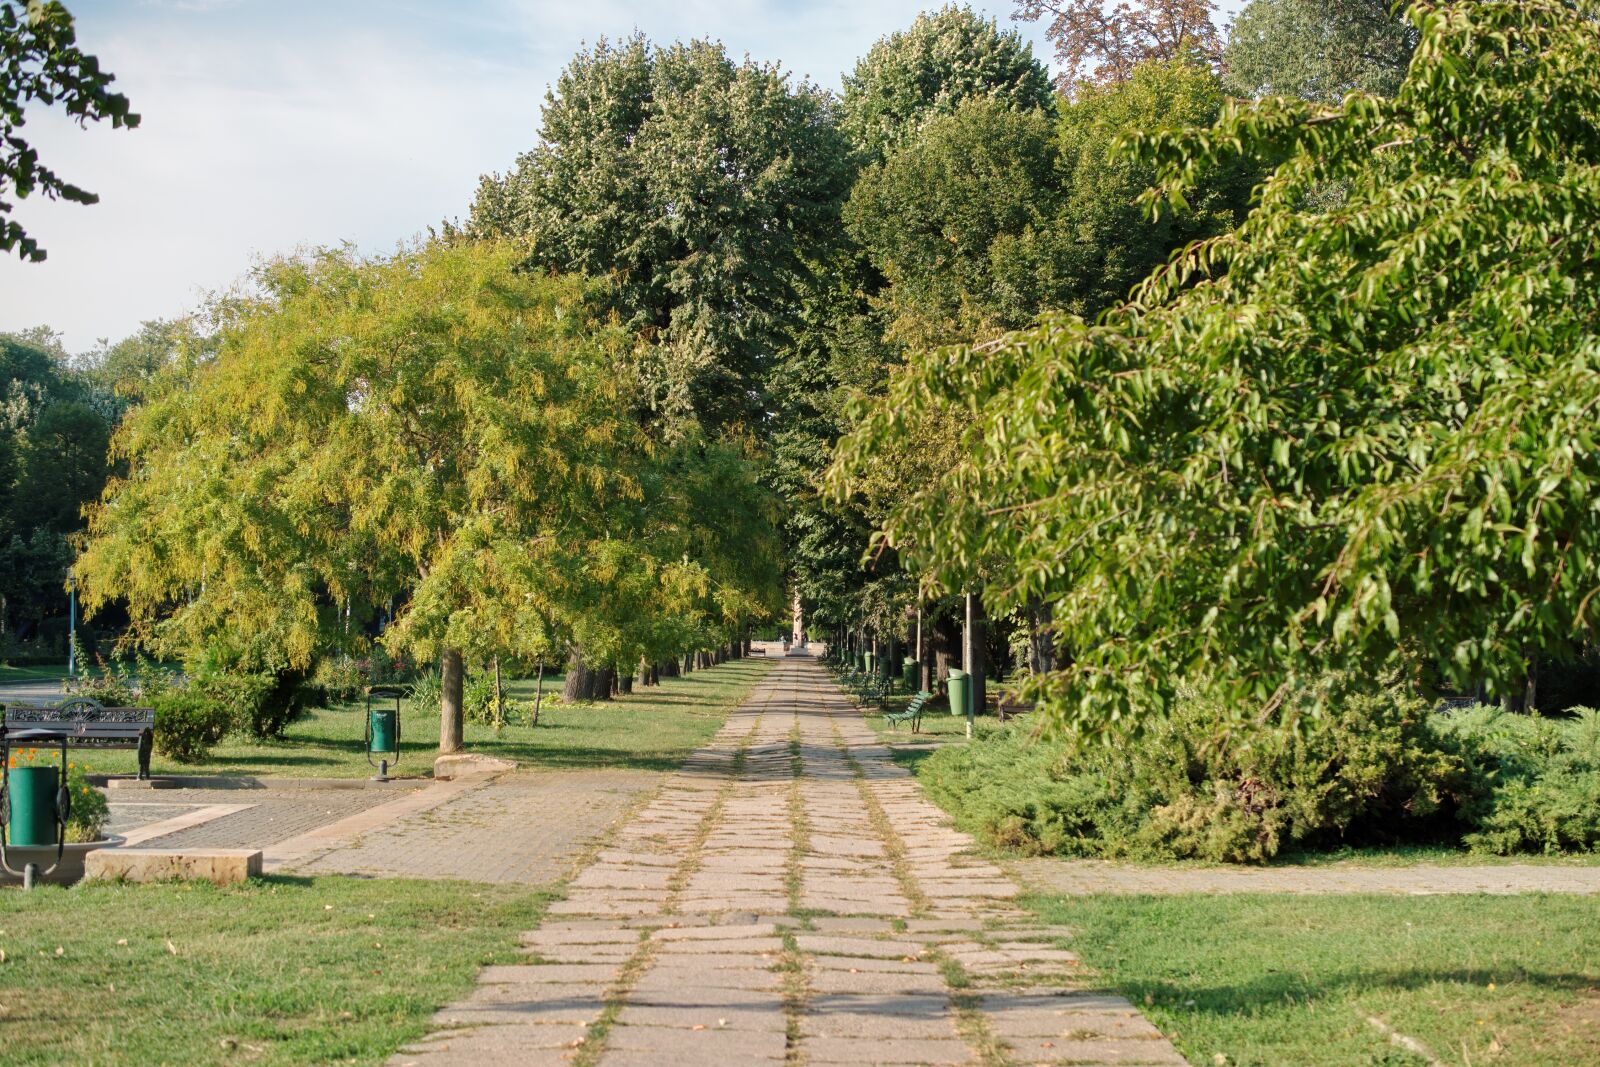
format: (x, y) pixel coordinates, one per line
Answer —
(529, 827)
(1086, 877)
(274, 814)
(790, 897)
(130, 816)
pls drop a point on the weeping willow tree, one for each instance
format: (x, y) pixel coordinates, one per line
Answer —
(1356, 431)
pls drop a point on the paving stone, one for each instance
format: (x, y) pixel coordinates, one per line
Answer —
(704, 871)
(888, 1050)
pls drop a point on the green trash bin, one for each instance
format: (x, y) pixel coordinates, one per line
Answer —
(383, 721)
(866, 662)
(960, 691)
(909, 672)
(32, 798)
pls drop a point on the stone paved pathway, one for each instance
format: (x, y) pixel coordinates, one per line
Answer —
(790, 897)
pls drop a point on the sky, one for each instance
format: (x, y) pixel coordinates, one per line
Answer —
(269, 126)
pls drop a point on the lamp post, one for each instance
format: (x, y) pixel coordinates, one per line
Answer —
(72, 627)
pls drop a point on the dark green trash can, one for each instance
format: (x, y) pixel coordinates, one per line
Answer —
(383, 739)
(909, 671)
(32, 796)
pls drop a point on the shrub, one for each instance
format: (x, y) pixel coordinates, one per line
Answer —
(339, 679)
(1367, 770)
(188, 723)
(90, 810)
(1534, 783)
(477, 699)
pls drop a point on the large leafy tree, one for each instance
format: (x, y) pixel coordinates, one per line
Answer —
(40, 62)
(430, 430)
(696, 185)
(1354, 437)
(941, 60)
(1318, 49)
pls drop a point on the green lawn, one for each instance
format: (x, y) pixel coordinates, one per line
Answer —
(653, 729)
(45, 673)
(279, 971)
(1281, 980)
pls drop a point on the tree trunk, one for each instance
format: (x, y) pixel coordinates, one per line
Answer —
(580, 679)
(1041, 641)
(499, 697)
(688, 662)
(624, 683)
(605, 680)
(667, 668)
(538, 695)
(451, 719)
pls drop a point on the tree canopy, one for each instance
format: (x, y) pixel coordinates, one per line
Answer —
(930, 68)
(1101, 43)
(1317, 49)
(40, 62)
(1347, 437)
(433, 433)
(695, 185)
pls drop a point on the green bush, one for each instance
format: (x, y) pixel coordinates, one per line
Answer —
(478, 699)
(1534, 782)
(339, 679)
(1368, 771)
(188, 723)
(90, 810)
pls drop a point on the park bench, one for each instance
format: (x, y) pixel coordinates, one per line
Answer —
(86, 723)
(1008, 707)
(911, 713)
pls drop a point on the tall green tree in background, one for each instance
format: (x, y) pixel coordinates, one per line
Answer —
(843, 343)
(697, 186)
(1359, 437)
(40, 63)
(53, 437)
(1318, 49)
(941, 60)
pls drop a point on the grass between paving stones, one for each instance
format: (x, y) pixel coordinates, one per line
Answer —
(1292, 980)
(276, 971)
(651, 729)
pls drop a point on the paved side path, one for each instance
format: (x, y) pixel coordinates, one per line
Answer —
(1084, 877)
(529, 826)
(789, 897)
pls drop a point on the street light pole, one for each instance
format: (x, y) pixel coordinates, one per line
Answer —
(72, 627)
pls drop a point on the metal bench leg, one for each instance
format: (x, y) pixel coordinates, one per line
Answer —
(146, 743)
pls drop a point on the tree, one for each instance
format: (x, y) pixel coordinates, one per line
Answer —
(1357, 438)
(40, 62)
(52, 463)
(929, 69)
(696, 186)
(432, 429)
(1317, 49)
(1097, 45)
(931, 214)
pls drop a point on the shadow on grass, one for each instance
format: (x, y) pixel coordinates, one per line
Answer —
(1280, 989)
